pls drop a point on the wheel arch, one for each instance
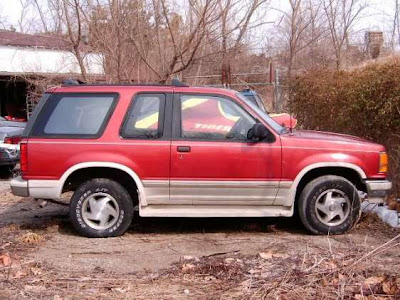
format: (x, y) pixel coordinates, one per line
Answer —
(111, 169)
(351, 172)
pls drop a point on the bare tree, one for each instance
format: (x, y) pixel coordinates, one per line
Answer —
(154, 40)
(178, 41)
(395, 34)
(173, 45)
(317, 32)
(64, 18)
(3, 22)
(74, 24)
(299, 29)
(24, 23)
(111, 26)
(41, 13)
(233, 29)
(341, 16)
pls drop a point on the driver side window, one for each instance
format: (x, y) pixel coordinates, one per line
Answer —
(213, 118)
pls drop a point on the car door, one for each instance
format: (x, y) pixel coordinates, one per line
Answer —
(213, 162)
(146, 132)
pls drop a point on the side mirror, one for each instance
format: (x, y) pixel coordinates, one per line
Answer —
(258, 132)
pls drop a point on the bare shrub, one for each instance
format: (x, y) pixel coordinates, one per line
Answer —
(363, 102)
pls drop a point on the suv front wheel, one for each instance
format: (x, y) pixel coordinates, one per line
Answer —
(101, 208)
(329, 205)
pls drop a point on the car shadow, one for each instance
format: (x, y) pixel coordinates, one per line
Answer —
(149, 225)
(29, 214)
(214, 225)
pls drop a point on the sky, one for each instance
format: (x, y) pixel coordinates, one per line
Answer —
(376, 17)
(11, 9)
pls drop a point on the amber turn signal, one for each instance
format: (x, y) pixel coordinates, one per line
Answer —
(383, 162)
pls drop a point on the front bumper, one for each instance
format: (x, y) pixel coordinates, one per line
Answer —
(378, 190)
(19, 187)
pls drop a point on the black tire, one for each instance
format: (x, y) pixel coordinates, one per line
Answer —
(120, 203)
(313, 218)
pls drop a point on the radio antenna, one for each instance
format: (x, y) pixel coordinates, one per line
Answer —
(290, 108)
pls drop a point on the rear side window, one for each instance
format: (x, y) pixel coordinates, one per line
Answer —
(145, 117)
(75, 115)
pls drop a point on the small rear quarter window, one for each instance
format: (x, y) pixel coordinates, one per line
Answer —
(75, 115)
(145, 117)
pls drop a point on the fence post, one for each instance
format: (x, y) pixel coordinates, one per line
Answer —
(277, 103)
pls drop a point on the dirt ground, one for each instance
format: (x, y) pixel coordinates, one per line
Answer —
(42, 257)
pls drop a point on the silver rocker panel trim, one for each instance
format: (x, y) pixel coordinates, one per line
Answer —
(214, 211)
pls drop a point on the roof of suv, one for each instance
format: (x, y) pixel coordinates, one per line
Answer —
(82, 88)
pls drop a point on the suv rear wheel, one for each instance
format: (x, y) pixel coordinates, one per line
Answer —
(101, 208)
(329, 205)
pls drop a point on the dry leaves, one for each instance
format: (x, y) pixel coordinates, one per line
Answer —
(329, 265)
(31, 238)
(5, 259)
(390, 287)
(271, 254)
(19, 274)
(381, 285)
(187, 267)
(34, 288)
(373, 281)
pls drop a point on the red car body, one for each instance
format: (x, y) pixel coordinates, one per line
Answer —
(251, 178)
(291, 152)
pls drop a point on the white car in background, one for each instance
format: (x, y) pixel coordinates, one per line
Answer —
(10, 136)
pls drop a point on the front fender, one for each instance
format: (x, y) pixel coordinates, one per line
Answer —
(330, 160)
(287, 192)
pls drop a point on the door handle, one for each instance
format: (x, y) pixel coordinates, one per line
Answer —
(183, 148)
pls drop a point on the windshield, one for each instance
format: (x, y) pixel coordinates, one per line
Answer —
(251, 98)
(255, 99)
(260, 103)
(278, 128)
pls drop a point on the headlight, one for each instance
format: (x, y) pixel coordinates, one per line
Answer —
(383, 162)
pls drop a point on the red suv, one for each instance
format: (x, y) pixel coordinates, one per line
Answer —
(179, 151)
